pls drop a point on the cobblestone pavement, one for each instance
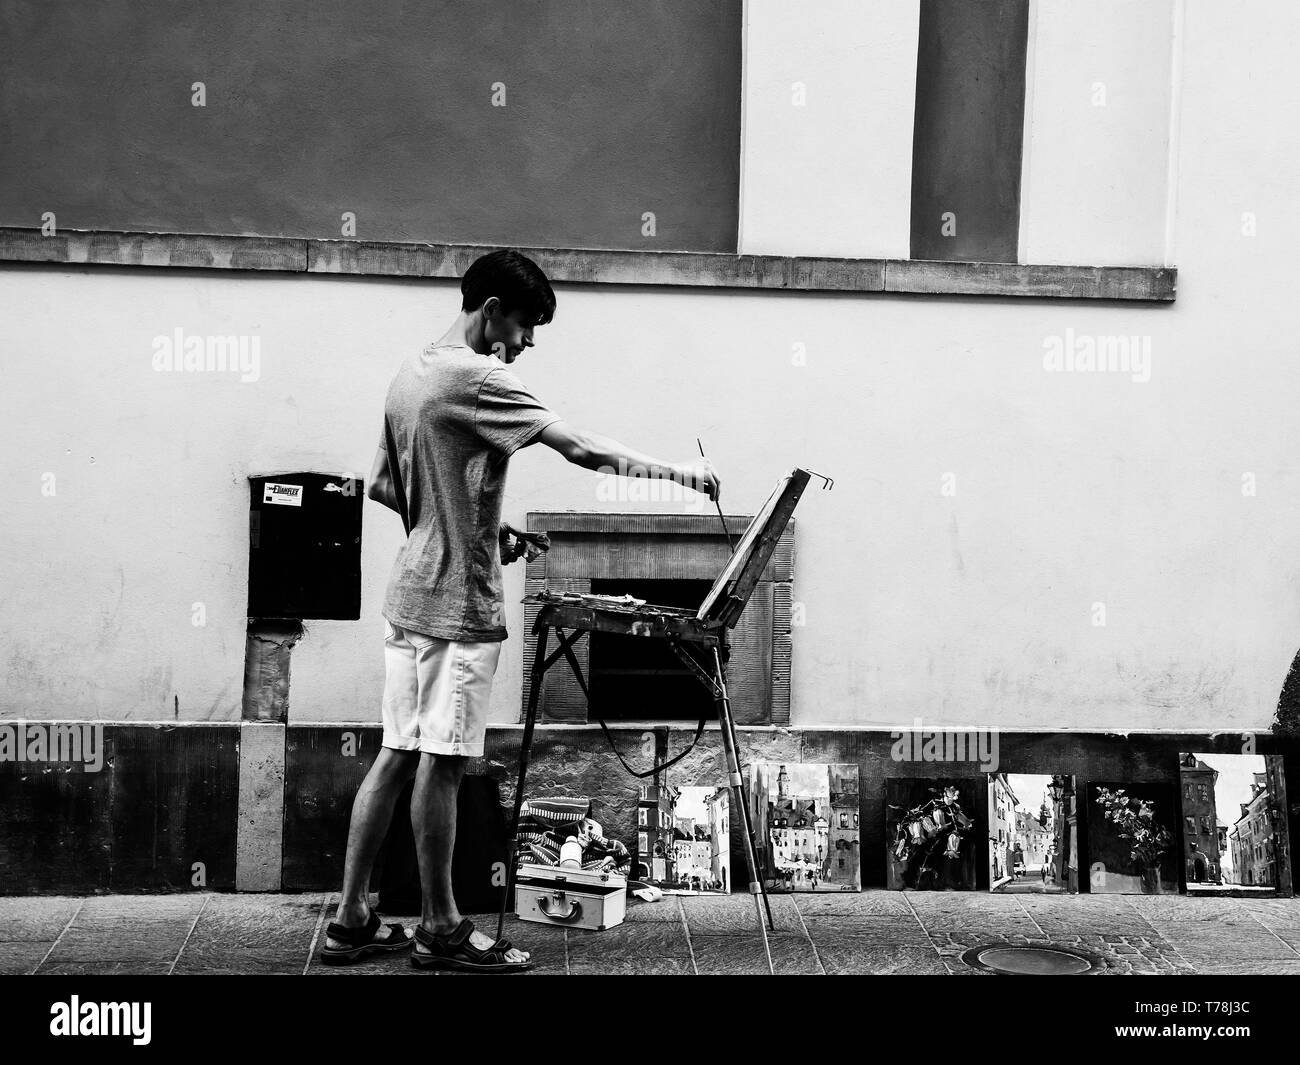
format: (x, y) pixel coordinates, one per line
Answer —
(881, 932)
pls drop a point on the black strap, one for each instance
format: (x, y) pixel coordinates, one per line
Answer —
(659, 767)
(566, 647)
(462, 933)
(356, 937)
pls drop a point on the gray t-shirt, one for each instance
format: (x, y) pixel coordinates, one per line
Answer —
(452, 419)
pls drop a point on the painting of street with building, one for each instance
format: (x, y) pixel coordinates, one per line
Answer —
(1232, 805)
(930, 832)
(806, 825)
(684, 838)
(1033, 846)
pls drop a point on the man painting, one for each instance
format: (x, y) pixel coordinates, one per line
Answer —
(453, 416)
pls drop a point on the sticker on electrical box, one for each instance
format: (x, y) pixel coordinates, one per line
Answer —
(285, 495)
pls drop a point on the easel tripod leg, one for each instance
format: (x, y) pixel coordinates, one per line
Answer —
(731, 747)
(525, 749)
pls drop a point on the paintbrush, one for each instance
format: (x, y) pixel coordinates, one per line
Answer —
(718, 504)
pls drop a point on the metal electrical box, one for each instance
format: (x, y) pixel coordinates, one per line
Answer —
(304, 546)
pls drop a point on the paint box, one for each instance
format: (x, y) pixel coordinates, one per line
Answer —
(572, 898)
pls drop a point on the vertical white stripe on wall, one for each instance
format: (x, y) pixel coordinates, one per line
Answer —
(1175, 129)
(744, 121)
(833, 176)
(1097, 133)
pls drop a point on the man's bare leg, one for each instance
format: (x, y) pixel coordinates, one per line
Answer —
(433, 821)
(372, 812)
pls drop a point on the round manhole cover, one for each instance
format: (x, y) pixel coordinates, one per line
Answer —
(1031, 960)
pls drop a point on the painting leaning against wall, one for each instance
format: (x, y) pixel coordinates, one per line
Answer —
(1232, 824)
(684, 838)
(1032, 831)
(1132, 838)
(930, 832)
(806, 825)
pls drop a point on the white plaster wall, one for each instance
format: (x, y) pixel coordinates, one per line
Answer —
(833, 175)
(1097, 98)
(973, 609)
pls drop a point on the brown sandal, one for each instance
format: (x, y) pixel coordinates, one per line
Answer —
(455, 951)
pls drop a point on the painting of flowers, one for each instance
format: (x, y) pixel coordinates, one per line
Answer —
(1132, 841)
(930, 830)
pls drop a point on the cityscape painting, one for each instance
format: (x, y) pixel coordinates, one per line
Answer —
(806, 825)
(1232, 805)
(930, 832)
(684, 838)
(1133, 844)
(1033, 830)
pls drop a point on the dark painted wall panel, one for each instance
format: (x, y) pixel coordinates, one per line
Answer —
(320, 782)
(580, 763)
(175, 799)
(163, 799)
(969, 128)
(317, 107)
(55, 829)
(169, 796)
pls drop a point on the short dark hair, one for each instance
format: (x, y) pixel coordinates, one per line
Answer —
(514, 279)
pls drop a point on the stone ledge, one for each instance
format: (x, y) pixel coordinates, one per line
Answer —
(673, 269)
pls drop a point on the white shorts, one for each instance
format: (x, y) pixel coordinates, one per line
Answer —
(436, 692)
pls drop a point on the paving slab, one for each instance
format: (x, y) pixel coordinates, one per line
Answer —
(1289, 936)
(623, 966)
(1220, 966)
(121, 939)
(390, 966)
(1120, 924)
(743, 955)
(666, 909)
(1183, 910)
(35, 919)
(852, 903)
(870, 932)
(1205, 942)
(120, 967)
(644, 948)
(881, 930)
(1274, 913)
(260, 933)
(17, 959)
(944, 901)
(145, 907)
(854, 955)
(722, 916)
(998, 924)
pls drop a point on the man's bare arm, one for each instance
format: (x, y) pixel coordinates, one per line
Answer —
(592, 451)
(381, 488)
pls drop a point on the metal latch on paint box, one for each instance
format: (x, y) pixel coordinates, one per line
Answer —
(558, 897)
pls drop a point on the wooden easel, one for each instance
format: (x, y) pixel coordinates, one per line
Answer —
(692, 637)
